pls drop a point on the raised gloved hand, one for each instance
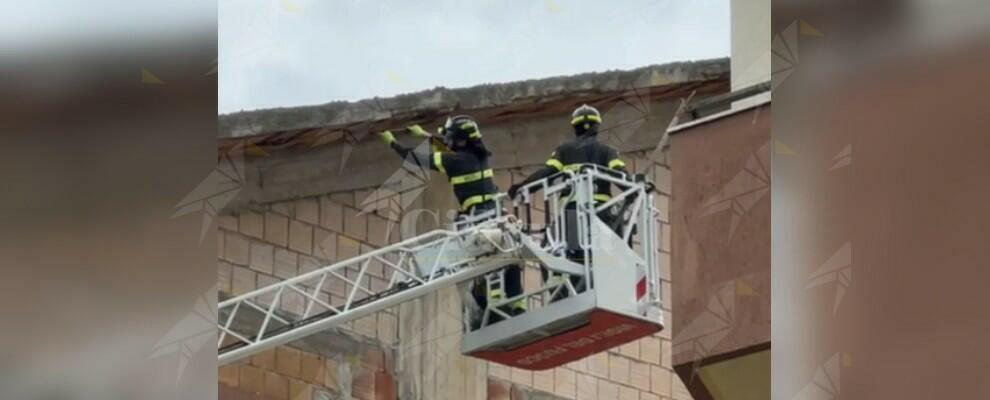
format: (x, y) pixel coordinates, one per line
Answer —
(386, 137)
(418, 131)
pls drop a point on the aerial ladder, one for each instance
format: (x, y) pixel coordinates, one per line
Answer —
(599, 260)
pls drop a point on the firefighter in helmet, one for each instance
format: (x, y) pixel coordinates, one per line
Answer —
(584, 148)
(466, 166)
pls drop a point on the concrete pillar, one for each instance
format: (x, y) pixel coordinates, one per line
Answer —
(750, 59)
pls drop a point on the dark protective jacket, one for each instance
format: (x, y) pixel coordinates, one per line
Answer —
(584, 149)
(468, 172)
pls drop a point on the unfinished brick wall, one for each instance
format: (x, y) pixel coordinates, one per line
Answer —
(266, 244)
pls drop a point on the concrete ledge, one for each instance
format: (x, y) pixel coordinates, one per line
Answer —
(442, 100)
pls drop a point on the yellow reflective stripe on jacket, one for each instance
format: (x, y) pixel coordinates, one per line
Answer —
(572, 167)
(475, 135)
(477, 176)
(438, 162)
(555, 164)
(476, 199)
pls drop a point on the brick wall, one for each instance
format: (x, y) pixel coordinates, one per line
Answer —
(266, 244)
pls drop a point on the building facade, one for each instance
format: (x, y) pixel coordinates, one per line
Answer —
(314, 186)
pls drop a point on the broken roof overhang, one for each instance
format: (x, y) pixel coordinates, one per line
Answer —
(309, 126)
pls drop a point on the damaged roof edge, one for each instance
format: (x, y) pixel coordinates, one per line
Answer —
(249, 123)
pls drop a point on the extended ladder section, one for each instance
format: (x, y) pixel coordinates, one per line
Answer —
(333, 295)
(597, 258)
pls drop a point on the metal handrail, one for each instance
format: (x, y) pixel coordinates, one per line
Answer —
(578, 186)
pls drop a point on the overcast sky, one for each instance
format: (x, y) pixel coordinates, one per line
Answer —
(280, 53)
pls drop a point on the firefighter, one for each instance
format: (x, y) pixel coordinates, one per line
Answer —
(584, 148)
(466, 166)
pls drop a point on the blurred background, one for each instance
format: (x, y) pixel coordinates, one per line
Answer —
(108, 119)
(879, 200)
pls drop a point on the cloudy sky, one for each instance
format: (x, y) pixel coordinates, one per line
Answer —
(280, 53)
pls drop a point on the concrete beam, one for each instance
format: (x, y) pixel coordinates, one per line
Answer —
(442, 100)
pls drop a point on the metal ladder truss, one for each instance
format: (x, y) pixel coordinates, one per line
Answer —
(295, 308)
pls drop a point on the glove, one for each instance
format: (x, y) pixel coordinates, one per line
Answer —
(387, 137)
(418, 131)
(513, 190)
